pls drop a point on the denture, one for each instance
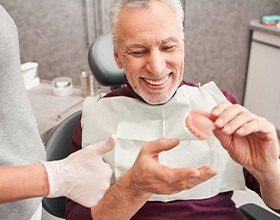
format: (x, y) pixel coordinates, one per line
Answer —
(200, 124)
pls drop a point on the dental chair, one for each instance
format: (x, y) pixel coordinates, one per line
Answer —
(102, 62)
(255, 212)
(106, 72)
(58, 146)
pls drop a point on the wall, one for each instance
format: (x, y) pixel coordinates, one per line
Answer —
(218, 40)
(56, 34)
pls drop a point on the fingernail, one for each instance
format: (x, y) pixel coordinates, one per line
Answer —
(240, 131)
(173, 140)
(226, 128)
(219, 122)
(212, 172)
(215, 112)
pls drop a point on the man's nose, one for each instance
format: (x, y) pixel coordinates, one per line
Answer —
(155, 62)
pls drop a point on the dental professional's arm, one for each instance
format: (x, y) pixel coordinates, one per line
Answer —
(146, 177)
(252, 142)
(23, 182)
(82, 176)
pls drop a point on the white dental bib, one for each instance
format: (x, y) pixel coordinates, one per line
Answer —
(135, 122)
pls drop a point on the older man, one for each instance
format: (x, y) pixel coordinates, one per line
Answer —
(155, 175)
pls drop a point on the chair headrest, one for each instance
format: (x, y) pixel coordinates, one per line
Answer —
(102, 63)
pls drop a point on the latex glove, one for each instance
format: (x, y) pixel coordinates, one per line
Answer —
(82, 176)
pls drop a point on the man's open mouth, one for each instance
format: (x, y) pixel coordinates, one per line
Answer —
(157, 82)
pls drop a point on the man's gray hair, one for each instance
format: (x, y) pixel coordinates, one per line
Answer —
(118, 5)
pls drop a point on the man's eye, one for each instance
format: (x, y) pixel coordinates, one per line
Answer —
(168, 48)
(137, 53)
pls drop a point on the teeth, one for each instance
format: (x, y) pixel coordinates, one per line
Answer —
(156, 83)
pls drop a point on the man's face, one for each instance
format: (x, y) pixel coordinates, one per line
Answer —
(151, 51)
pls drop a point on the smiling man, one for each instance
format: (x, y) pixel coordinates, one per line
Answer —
(161, 171)
(151, 51)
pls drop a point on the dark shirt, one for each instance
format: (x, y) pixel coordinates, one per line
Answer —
(220, 207)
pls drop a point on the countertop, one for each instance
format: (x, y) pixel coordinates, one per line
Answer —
(258, 26)
(49, 109)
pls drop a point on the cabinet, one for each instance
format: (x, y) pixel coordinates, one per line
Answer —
(262, 93)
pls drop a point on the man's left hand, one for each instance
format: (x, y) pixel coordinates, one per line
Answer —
(249, 139)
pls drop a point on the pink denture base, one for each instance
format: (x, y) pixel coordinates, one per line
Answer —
(200, 124)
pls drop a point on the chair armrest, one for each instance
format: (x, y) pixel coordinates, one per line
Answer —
(254, 212)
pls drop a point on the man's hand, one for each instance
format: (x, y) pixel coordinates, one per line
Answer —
(83, 176)
(148, 176)
(249, 139)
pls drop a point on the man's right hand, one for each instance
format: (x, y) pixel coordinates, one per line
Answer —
(148, 175)
(145, 178)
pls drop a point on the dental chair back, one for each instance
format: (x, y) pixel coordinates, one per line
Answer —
(102, 63)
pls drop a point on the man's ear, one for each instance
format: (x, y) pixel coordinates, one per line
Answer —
(116, 56)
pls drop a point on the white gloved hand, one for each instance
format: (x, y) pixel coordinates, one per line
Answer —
(82, 176)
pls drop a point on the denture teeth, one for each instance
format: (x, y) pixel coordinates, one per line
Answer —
(200, 124)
